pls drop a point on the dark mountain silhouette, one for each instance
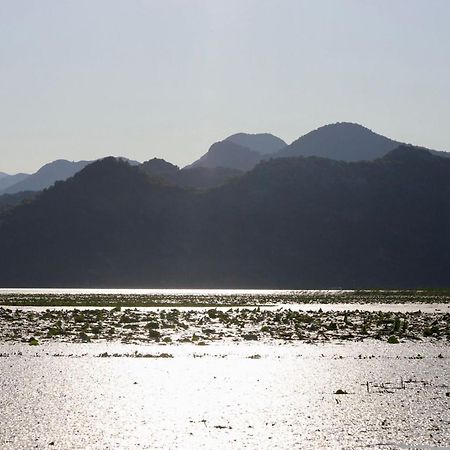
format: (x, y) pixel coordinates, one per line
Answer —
(440, 153)
(205, 177)
(240, 151)
(341, 141)
(10, 180)
(303, 222)
(264, 143)
(159, 167)
(8, 201)
(230, 155)
(196, 177)
(47, 175)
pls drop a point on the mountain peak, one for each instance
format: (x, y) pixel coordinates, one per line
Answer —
(230, 155)
(57, 170)
(240, 151)
(344, 141)
(159, 166)
(264, 143)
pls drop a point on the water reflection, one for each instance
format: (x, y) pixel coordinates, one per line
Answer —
(222, 398)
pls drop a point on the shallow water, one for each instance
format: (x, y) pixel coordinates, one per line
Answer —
(247, 395)
(230, 393)
(217, 297)
(167, 292)
(325, 307)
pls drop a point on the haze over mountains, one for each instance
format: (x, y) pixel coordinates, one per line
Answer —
(7, 181)
(264, 143)
(290, 222)
(287, 222)
(239, 152)
(45, 177)
(341, 141)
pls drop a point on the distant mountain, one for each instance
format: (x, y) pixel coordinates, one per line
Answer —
(46, 176)
(196, 177)
(11, 180)
(304, 222)
(159, 167)
(240, 151)
(264, 143)
(340, 141)
(55, 171)
(230, 155)
(3, 174)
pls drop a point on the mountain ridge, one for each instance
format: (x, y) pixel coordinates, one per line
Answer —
(229, 155)
(242, 151)
(342, 140)
(301, 222)
(264, 143)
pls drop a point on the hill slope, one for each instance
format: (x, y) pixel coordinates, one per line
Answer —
(241, 151)
(341, 141)
(229, 155)
(8, 201)
(55, 171)
(10, 180)
(264, 143)
(195, 177)
(289, 223)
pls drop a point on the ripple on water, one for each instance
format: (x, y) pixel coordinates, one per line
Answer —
(220, 397)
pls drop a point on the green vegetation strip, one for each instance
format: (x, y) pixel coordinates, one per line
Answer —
(201, 327)
(173, 300)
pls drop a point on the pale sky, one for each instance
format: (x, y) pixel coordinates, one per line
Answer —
(82, 79)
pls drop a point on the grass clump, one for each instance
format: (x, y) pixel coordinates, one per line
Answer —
(33, 341)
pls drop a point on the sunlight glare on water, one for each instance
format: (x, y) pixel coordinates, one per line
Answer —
(222, 396)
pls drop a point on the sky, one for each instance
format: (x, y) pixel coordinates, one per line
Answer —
(83, 79)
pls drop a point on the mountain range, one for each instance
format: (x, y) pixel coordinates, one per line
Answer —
(300, 222)
(339, 207)
(237, 153)
(6, 181)
(47, 175)
(240, 151)
(43, 178)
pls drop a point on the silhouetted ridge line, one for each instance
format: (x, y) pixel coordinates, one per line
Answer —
(342, 141)
(302, 222)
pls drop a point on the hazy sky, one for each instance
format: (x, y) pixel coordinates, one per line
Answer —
(82, 79)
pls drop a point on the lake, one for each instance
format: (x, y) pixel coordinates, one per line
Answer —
(133, 389)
